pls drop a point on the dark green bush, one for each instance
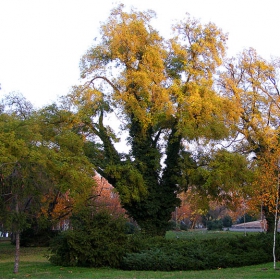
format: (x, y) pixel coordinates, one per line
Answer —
(183, 225)
(246, 219)
(227, 221)
(94, 242)
(171, 225)
(162, 254)
(130, 228)
(215, 225)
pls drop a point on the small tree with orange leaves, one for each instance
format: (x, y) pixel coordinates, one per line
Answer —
(267, 190)
(266, 187)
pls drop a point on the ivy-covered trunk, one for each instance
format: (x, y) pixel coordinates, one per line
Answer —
(151, 211)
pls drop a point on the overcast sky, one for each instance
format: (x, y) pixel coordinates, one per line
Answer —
(42, 41)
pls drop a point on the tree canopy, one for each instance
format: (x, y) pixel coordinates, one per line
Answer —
(188, 117)
(251, 85)
(163, 96)
(38, 157)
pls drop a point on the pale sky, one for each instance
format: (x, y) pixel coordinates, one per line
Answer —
(42, 41)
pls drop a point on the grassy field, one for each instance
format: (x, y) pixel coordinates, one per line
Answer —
(34, 264)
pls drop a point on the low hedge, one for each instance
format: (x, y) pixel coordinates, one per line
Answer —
(167, 255)
(102, 241)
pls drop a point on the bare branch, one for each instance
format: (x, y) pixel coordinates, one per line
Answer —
(107, 80)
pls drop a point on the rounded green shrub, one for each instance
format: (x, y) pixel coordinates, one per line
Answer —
(227, 221)
(95, 241)
(215, 225)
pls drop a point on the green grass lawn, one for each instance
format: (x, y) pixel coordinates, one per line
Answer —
(33, 264)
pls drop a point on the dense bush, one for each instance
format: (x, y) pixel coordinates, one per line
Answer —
(215, 225)
(130, 228)
(219, 224)
(95, 241)
(171, 225)
(162, 254)
(183, 225)
(246, 219)
(227, 221)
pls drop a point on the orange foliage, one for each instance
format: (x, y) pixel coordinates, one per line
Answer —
(238, 206)
(56, 205)
(266, 182)
(192, 207)
(106, 197)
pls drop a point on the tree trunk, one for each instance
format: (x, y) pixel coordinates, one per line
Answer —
(16, 265)
(276, 221)
(17, 233)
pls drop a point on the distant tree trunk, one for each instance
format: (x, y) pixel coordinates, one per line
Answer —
(17, 235)
(193, 223)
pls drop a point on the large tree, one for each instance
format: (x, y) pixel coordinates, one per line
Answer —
(37, 157)
(162, 95)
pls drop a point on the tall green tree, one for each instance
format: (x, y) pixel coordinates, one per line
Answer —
(34, 161)
(163, 96)
(223, 177)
